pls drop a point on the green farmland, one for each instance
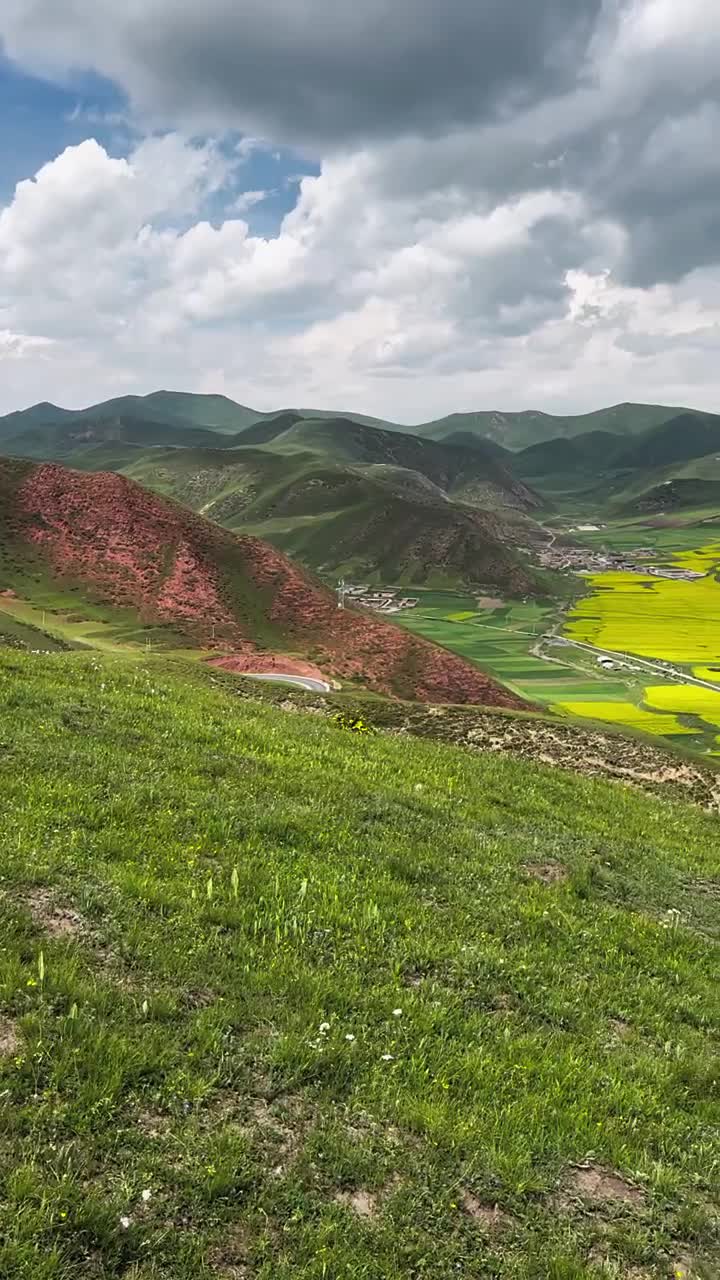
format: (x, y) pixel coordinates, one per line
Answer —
(677, 622)
(500, 641)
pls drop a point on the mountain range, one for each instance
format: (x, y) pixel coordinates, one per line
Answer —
(341, 495)
(85, 540)
(450, 502)
(513, 430)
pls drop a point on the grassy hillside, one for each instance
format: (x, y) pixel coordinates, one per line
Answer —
(670, 466)
(337, 493)
(528, 427)
(113, 543)
(371, 519)
(513, 430)
(79, 441)
(695, 484)
(171, 408)
(463, 471)
(286, 1002)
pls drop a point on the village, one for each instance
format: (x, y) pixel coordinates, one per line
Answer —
(379, 600)
(586, 560)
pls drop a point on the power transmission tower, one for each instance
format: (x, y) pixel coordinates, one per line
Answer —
(341, 593)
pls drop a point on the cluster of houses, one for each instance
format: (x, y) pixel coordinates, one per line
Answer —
(381, 601)
(585, 560)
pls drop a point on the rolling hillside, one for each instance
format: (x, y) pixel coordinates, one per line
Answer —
(511, 430)
(380, 521)
(463, 471)
(280, 1000)
(171, 408)
(105, 539)
(78, 440)
(674, 464)
(339, 495)
(528, 427)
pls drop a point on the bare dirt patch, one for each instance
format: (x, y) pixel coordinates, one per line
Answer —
(281, 1126)
(710, 888)
(10, 1041)
(55, 918)
(547, 872)
(619, 1030)
(488, 1216)
(229, 1259)
(602, 1186)
(362, 1203)
(154, 1124)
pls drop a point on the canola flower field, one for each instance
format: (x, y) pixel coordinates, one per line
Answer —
(674, 621)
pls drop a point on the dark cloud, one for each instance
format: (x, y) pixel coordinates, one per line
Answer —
(616, 100)
(316, 72)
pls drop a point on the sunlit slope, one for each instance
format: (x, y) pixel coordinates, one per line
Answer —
(282, 1002)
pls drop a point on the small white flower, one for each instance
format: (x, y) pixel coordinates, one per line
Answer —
(146, 1195)
(397, 1013)
(124, 1223)
(324, 1026)
(418, 786)
(388, 1057)
(349, 1038)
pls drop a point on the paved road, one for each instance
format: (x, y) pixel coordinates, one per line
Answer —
(305, 682)
(644, 663)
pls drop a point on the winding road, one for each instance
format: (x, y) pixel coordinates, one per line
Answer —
(304, 682)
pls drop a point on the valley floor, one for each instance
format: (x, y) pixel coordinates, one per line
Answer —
(638, 651)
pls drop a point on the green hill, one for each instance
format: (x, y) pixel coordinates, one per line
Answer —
(674, 465)
(344, 497)
(688, 436)
(460, 470)
(338, 494)
(281, 1000)
(511, 430)
(528, 427)
(172, 408)
(128, 565)
(80, 441)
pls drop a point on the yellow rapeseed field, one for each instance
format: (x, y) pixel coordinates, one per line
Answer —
(628, 715)
(652, 617)
(708, 673)
(687, 698)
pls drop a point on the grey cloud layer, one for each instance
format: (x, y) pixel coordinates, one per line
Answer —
(616, 99)
(315, 71)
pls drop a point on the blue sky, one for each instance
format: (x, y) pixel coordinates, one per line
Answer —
(40, 119)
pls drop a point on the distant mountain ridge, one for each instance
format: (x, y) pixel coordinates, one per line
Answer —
(639, 473)
(486, 459)
(345, 497)
(513, 430)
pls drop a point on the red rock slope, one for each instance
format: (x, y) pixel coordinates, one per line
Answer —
(131, 548)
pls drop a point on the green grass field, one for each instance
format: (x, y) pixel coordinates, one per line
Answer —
(668, 540)
(286, 1002)
(627, 613)
(499, 640)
